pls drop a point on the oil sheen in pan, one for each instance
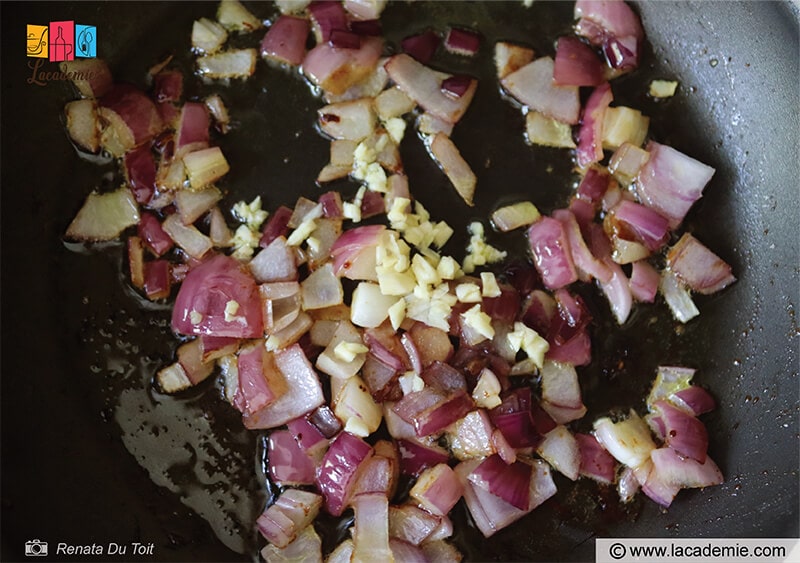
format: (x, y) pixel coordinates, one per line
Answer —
(194, 445)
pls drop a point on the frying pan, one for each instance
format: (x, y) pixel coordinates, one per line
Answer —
(92, 455)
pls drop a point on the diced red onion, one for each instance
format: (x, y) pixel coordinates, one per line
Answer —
(677, 297)
(303, 393)
(157, 279)
(670, 182)
(560, 449)
(137, 111)
(353, 253)
(371, 528)
(192, 133)
(454, 166)
(560, 385)
(207, 289)
(372, 205)
(276, 226)
(658, 489)
(285, 40)
(432, 343)
(344, 39)
(415, 457)
(331, 204)
(551, 254)
(684, 472)
(336, 474)
(457, 85)
(325, 421)
(168, 86)
(628, 440)
(380, 378)
(576, 64)
(650, 228)
(508, 482)
(411, 351)
(462, 41)
(430, 411)
(618, 292)
(423, 85)
(583, 259)
(274, 263)
(190, 357)
(596, 462)
(255, 390)
(594, 184)
(140, 169)
(628, 485)
(694, 400)
(291, 513)
(327, 17)
(193, 204)
(533, 85)
(335, 70)
(83, 126)
(376, 475)
(590, 136)
(421, 46)
(411, 524)
(683, 432)
(437, 489)
(370, 27)
(698, 267)
(644, 281)
(471, 437)
(509, 58)
(136, 261)
(443, 377)
(288, 463)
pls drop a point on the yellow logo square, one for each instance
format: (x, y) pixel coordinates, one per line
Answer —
(37, 41)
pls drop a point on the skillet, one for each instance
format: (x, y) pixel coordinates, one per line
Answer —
(90, 454)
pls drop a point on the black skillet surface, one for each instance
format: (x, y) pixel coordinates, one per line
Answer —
(92, 455)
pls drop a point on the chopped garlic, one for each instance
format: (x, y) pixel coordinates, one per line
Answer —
(314, 244)
(468, 293)
(663, 88)
(410, 381)
(365, 164)
(244, 242)
(396, 127)
(448, 268)
(231, 308)
(487, 390)
(397, 313)
(489, 283)
(479, 321)
(528, 340)
(351, 211)
(195, 318)
(480, 253)
(423, 271)
(395, 283)
(357, 427)
(347, 351)
(398, 214)
(250, 213)
(302, 232)
(441, 234)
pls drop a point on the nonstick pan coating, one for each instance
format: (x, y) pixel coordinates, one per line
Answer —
(91, 454)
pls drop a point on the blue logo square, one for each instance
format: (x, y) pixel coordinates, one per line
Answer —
(85, 41)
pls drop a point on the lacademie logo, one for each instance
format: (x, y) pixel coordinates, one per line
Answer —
(62, 41)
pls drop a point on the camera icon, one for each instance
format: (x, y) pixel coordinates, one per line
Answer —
(36, 548)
